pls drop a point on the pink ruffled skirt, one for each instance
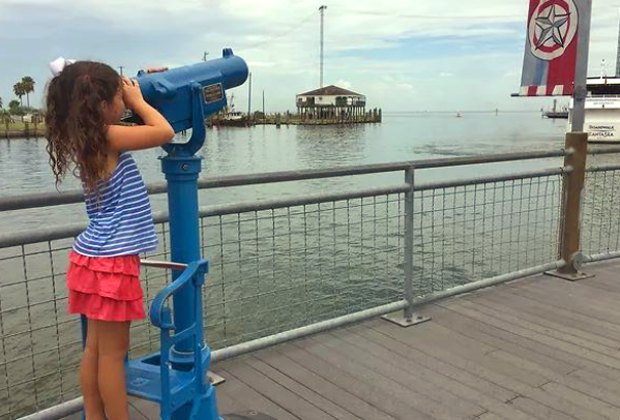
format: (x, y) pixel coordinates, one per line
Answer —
(105, 288)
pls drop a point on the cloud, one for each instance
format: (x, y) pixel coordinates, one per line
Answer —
(408, 87)
(384, 52)
(344, 84)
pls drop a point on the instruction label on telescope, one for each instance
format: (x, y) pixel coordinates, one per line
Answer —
(213, 93)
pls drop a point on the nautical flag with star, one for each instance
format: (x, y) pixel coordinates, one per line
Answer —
(551, 47)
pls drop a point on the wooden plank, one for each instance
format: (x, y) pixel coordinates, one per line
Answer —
(594, 390)
(592, 307)
(526, 365)
(462, 321)
(404, 387)
(274, 391)
(560, 344)
(451, 356)
(605, 282)
(227, 405)
(565, 301)
(374, 393)
(404, 359)
(538, 410)
(605, 272)
(238, 390)
(416, 379)
(560, 313)
(140, 409)
(516, 306)
(583, 400)
(433, 364)
(279, 360)
(304, 392)
(580, 296)
(440, 337)
(553, 404)
(597, 351)
(489, 416)
(595, 379)
(444, 336)
(499, 338)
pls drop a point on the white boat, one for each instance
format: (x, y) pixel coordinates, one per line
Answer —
(602, 110)
(231, 117)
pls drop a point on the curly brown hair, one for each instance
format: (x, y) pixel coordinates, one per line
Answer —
(75, 121)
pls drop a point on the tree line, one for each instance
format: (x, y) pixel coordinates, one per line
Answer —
(16, 107)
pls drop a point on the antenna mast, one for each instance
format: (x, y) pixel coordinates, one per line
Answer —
(618, 54)
(322, 10)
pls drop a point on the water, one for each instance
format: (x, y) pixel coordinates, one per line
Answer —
(232, 151)
(277, 270)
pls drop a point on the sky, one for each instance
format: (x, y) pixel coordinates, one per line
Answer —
(404, 55)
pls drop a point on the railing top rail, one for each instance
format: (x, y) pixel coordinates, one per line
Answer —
(26, 201)
(10, 239)
(603, 150)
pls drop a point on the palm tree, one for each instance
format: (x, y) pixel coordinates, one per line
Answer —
(6, 119)
(1, 102)
(28, 86)
(16, 109)
(14, 106)
(18, 89)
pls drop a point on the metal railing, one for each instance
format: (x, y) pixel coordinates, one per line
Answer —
(289, 266)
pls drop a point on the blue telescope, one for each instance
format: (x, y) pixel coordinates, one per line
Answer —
(175, 376)
(186, 95)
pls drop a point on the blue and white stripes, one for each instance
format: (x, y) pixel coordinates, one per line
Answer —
(120, 220)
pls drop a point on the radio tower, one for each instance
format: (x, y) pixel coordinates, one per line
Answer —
(618, 55)
(322, 10)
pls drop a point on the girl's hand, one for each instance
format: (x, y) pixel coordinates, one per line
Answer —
(132, 96)
(156, 69)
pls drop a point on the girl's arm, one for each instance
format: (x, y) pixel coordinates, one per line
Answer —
(156, 130)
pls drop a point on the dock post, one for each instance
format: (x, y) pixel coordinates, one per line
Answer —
(572, 198)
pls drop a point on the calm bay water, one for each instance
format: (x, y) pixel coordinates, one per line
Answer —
(232, 151)
(283, 269)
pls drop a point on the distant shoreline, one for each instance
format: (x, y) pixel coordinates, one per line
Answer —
(22, 134)
(39, 132)
(462, 112)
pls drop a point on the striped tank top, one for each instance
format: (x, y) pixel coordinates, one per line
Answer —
(120, 221)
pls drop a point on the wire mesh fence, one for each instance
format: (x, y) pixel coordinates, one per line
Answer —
(600, 214)
(40, 344)
(275, 269)
(468, 233)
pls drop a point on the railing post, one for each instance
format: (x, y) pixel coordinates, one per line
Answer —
(408, 263)
(408, 317)
(570, 217)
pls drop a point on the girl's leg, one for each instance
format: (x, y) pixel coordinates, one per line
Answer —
(113, 344)
(93, 406)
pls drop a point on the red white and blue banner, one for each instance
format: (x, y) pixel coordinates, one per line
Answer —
(551, 48)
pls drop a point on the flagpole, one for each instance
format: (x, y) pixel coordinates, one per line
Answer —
(581, 67)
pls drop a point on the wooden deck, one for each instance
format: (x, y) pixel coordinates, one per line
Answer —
(538, 348)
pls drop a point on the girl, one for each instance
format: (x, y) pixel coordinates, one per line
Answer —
(85, 101)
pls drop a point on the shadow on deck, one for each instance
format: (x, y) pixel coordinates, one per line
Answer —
(536, 348)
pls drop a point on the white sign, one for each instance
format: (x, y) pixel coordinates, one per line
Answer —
(602, 131)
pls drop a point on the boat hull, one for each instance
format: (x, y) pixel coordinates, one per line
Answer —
(602, 119)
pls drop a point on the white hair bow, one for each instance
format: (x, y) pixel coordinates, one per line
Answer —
(58, 65)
